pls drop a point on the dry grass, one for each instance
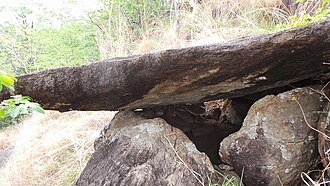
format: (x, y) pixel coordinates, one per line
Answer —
(50, 149)
(210, 22)
(322, 176)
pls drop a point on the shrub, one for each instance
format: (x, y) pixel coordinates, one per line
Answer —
(17, 106)
(305, 17)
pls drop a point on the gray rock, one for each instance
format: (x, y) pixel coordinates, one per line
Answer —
(188, 75)
(275, 143)
(136, 151)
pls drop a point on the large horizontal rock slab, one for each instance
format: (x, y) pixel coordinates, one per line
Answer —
(276, 144)
(188, 75)
(136, 151)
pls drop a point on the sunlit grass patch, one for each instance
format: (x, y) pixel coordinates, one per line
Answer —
(51, 149)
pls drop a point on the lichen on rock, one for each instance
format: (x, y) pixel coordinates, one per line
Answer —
(275, 143)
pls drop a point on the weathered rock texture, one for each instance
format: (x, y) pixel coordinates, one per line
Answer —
(188, 75)
(137, 151)
(324, 131)
(275, 142)
(206, 125)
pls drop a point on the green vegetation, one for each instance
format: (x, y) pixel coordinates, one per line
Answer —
(72, 44)
(231, 181)
(7, 80)
(228, 181)
(120, 25)
(26, 47)
(307, 15)
(138, 14)
(16, 106)
(32, 50)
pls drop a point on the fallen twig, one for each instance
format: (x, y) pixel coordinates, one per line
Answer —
(194, 173)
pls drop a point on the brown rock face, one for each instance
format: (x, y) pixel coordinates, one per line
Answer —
(275, 143)
(137, 151)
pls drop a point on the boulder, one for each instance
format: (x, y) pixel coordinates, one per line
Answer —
(133, 150)
(276, 143)
(324, 134)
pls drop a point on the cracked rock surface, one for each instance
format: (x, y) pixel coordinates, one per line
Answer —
(133, 150)
(275, 143)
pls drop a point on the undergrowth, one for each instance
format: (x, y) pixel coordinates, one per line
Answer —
(180, 24)
(50, 149)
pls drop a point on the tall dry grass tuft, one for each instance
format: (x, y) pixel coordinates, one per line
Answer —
(187, 24)
(50, 149)
(114, 38)
(308, 6)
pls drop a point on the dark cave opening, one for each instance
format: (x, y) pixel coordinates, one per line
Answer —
(205, 124)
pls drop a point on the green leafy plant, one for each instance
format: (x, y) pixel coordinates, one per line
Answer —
(302, 19)
(228, 180)
(7, 80)
(11, 109)
(18, 105)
